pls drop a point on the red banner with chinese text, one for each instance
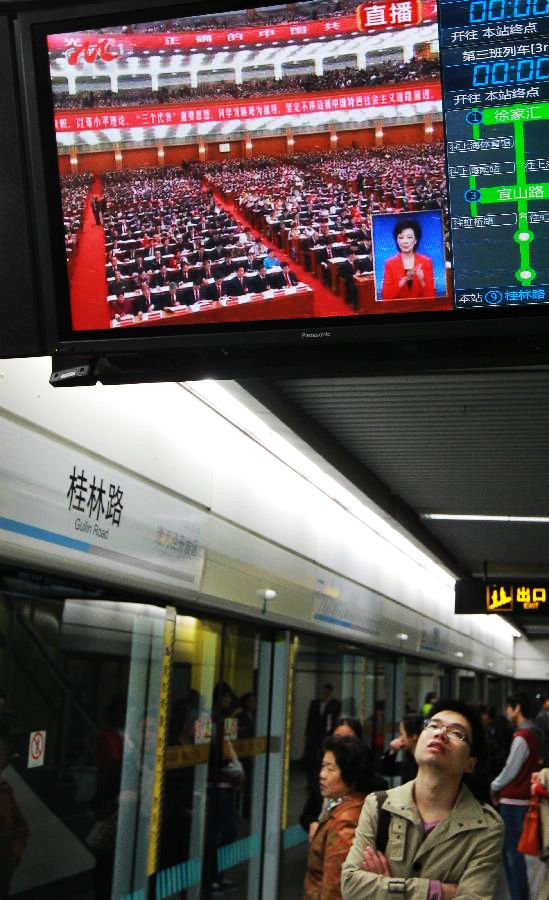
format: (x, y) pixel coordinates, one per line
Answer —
(85, 47)
(242, 110)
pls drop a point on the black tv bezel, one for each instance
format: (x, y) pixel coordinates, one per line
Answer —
(32, 24)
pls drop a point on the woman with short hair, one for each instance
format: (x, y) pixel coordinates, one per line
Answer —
(409, 274)
(345, 780)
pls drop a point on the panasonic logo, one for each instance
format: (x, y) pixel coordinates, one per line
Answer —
(316, 334)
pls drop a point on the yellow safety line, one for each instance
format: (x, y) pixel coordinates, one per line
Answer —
(161, 740)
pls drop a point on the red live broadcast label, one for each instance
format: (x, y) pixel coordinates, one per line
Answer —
(388, 14)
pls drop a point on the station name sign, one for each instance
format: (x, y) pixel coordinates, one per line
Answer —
(475, 596)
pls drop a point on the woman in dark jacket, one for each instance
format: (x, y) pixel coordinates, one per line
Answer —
(409, 730)
(345, 726)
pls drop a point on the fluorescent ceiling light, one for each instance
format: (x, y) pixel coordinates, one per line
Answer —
(212, 393)
(459, 517)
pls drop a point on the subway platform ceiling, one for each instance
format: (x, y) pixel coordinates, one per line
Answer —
(460, 459)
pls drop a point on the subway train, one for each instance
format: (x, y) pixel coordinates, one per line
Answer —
(185, 586)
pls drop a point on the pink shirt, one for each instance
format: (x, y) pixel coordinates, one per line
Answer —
(435, 887)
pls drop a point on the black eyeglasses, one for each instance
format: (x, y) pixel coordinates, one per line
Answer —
(454, 732)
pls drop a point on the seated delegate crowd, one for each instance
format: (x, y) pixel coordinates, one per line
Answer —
(454, 825)
(340, 79)
(403, 177)
(170, 245)
(325, 200)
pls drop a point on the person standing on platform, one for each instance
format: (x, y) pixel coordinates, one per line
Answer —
(542, 724)
(346, 726)
(540, 787)
(14, 831)
(430, 838)
(345, 779)
(321, 716)
(510, 790)
(409, 730)
(430, 700)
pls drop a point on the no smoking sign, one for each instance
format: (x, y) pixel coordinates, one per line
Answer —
(37, 749)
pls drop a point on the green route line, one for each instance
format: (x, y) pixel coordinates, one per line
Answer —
(522, 236)
(473, 178)
(521, 192)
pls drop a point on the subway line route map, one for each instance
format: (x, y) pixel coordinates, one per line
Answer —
(495, 61)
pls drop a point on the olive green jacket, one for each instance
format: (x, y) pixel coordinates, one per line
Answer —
(464, 849)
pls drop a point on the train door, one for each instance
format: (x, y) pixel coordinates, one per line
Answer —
(327, 680)
(211, 816)
(136, 747)
(80, 692)
(422, 677)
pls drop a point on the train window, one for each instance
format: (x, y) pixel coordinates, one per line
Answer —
(154, 736)
(78, 728)
(329, 680)
(215, 778)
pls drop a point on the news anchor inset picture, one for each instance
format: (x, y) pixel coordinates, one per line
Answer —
(409, 274)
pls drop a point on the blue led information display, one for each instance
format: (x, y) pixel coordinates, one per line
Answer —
(495, 73)
(487, 12)
(482, 12)
(504, 72)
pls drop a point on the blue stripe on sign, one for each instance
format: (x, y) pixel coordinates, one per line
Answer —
(42, 534)
(232, 854)
(293, 836)
(333, 620)
(175, 879)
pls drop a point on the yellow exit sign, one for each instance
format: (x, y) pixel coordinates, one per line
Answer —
(514, 597)
(478, 595)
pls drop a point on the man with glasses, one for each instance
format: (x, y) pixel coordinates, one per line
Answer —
(511, 788)
(430, 839)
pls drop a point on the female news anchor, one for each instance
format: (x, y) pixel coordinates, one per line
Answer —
(408, 275)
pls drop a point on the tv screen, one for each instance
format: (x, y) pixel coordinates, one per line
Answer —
(293, 166)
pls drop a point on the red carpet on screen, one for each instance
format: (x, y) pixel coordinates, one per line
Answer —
(88, 282)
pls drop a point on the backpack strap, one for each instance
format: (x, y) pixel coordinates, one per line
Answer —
(383, 819)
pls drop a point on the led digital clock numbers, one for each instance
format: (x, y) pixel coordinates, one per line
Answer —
(482, 12)
(504, 72)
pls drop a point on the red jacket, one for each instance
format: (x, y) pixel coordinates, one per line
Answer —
(519, 787)
(394, 271)
(329, 849)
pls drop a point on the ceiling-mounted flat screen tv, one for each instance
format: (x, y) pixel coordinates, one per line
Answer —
(288, 172)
